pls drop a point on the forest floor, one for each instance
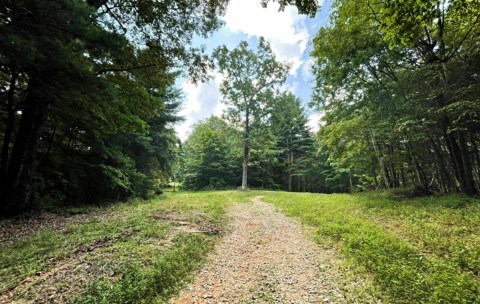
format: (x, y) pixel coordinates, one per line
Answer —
(266, 257)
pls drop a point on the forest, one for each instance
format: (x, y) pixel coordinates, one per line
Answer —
(89, 100)
(100, 197)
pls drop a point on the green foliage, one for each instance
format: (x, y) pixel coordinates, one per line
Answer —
(248, 88)
(394, 79)
(308, 7)
(126, 239)
(88, 98)
(211, 156)
(294, 145)
(283, 154)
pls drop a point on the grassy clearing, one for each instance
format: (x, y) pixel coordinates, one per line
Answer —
(424, 250)
(137, 242)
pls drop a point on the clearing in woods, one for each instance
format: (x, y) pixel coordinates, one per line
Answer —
(147, 252)
(247, 247)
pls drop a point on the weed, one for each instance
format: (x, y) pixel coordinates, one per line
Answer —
(155, 282)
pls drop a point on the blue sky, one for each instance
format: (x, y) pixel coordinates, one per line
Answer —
(290, 36)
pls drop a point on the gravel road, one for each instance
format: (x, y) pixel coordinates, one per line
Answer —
(265, 257)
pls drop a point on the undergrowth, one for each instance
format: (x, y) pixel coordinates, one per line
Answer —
(155, 282)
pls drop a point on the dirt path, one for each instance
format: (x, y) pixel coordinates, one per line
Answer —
(265, 258)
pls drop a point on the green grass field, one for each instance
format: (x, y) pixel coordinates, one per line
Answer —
(423, 250)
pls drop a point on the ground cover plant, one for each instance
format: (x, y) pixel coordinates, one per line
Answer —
(416, 250)
(422, 250)
(131, 252)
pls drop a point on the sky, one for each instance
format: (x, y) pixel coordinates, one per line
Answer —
(290, 36)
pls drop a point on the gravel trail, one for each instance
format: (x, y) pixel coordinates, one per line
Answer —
(265, 257)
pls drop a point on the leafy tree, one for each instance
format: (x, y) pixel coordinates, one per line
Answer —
(294, 143)
(78, 74)
(308, 7)
(249, 78)
(211, 156)
(401, 71)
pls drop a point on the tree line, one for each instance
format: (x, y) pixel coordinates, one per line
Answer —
(262, 140)
(88, 101)
(398, 86)
(88, 97)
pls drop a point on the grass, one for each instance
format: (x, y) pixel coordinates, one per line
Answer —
(131, 242)
(424, 250)
(157, 282)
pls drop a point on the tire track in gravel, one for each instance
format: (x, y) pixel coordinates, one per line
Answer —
(265, 258)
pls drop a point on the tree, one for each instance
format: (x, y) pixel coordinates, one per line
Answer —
(307, 7)
(249, 78)
(289, 125)
(211, 156)
(108, 59)
(402, 72)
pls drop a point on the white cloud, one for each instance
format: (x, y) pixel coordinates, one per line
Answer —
(314, 121)
(286, 31)
(306, 70)
(288, 34)
(201, 101)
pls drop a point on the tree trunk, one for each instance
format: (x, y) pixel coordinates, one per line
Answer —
(245, 166)
(17, 190)
(246, 150)
(456, 160)
(380, 160)
(420, 173)
(350, 180)
(467, 165)
(290, 169)
(476, 159)
(443, 167)
(9, 127)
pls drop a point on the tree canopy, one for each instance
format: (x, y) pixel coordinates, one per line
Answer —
(402, 80)
(88, 98)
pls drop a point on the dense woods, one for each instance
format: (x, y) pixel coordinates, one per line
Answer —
(88, 95)
(89, 99)
(400, 93)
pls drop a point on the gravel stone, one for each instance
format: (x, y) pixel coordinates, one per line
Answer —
(265, 257)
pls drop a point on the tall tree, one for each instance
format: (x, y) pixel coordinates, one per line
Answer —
(249, 79)
(403, 70)
(289, 125)
(61, 52)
